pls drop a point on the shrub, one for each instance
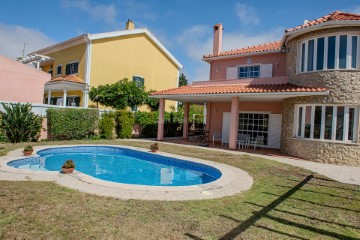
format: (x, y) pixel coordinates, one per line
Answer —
(2, 134)
(19, 123)
(124, 123)
(28, 148)
(71, 123)
(107, 125)
(148, 122)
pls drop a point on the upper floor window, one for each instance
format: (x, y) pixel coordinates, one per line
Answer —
(58, 69)
(258, 70)
(329, 52)
(72, 68)
(139, 83)
(249, 72)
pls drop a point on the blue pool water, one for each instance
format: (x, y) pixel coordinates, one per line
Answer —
(123, 165)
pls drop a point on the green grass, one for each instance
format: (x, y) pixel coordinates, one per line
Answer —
(285, 202)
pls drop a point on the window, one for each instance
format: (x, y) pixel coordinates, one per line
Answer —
(72, 68)
(326, 122)
(328, 52)
(249, 72)
(58, 70)
(50, 72)
(140, 83)
(254, 124)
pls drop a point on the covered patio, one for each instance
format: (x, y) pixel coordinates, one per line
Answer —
(234, 110)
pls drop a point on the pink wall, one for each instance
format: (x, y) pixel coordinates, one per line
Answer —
(218, 67)
(21, 83)
(217, 110)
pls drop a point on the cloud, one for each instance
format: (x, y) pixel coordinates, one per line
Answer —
(246, 14)
(96, 11)
(197, 41)
(13, 38)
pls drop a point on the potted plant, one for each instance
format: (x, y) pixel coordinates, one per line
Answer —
(154, 147)
(28, 150)
(68, 167)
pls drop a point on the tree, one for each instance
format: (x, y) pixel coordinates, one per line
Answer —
(182, 80)
(119, 95)
(152, 103)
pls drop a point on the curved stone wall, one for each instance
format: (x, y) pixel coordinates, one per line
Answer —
(344, 87)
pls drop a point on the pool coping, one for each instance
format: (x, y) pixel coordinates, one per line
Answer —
(232, 181)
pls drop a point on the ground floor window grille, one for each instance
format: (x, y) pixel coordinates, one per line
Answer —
(326, 122)
(254, 124)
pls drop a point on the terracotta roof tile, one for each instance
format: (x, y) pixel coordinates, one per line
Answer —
(335, 16)
(229, 89)
(265, 47)
(68, 78)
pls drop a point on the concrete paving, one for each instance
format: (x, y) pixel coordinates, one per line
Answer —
(343, 174)
(232, 181)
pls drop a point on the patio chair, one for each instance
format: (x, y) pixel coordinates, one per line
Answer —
(216, 137)
(225, 140)
(243, 140)
(258, 141)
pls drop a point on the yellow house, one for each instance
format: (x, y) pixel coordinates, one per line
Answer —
(91, 60)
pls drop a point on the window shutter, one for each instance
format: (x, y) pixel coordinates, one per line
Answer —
(232, 73)
(67, 69)
(139, 81)
(266, 70)
(274, 131)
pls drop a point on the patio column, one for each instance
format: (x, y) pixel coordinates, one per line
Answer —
(208, 118)
(186, 120)
(160, 130)
(234, 122)
(49, 96)
(64, 97)
(85, 96)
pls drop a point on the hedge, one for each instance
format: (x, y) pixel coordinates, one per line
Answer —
(107, 125)
(71, 123)
(124, 123)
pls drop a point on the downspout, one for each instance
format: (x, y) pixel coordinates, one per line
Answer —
(87, 68)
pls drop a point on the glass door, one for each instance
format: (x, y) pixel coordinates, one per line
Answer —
(254, 124)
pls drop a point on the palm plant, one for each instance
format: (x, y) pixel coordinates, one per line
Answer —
(19, 123)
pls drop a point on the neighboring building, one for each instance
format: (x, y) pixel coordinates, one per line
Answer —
(21, 83)
(91, 60)
(300, 94)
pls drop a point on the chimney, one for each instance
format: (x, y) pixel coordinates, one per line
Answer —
(218, 28)
(130, 25)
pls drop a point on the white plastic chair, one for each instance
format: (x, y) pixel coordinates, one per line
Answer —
(216, 137)
(258, 141)
(243, 140)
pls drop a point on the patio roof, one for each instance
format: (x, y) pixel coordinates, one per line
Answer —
(246, 92)
(69, 82)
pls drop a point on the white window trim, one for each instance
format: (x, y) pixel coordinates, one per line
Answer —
(58, 74)
(337, 46)
(334, 121)
(72, 63)
(248, 65)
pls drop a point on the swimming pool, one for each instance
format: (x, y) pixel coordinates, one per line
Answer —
(122, 165)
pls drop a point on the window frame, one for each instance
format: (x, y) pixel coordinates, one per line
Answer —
(248, 66)
(78, 62)
(345, 129)
(57, 68)
(304, 58)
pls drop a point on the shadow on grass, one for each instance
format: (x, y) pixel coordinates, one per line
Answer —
(315, 203)
(264, 213)
(316, 192)
(309, 217)
(324, 185)
(243, 226)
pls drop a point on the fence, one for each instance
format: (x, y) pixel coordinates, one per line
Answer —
(40, 109)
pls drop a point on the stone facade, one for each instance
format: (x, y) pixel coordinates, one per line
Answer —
(344, 88)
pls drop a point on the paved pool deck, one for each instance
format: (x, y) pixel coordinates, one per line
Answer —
(232, 181)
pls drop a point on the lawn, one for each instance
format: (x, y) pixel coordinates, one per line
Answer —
(285, 202)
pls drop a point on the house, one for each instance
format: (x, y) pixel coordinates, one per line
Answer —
(90, 60)
(300, 94)
(16, 78)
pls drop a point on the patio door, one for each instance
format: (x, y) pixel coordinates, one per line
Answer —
(226, 126)
(254, 124)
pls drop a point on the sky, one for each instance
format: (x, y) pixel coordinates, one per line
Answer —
(184, 27)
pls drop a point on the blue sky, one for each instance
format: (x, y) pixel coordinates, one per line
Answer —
(183, 26)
